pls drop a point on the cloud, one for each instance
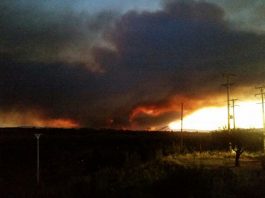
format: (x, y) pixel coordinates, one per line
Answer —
(127, 71)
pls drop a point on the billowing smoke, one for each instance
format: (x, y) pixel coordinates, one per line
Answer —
(35, 33)
(122, 71)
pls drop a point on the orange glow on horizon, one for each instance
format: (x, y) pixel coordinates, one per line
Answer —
(34, 119)
(247, 115)
(56, 123)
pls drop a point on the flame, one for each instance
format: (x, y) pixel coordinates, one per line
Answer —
(56, 123)
(247, 115)
(151, 110)
(34, 119)
(170, 105)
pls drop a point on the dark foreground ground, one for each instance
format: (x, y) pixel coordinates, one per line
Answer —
(88, 163)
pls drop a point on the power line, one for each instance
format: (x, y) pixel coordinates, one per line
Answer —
(228, 85)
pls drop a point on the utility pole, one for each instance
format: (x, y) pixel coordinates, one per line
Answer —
(181, 128)
(181, 118)
(228, 85)
(262, 93)
(234, 115)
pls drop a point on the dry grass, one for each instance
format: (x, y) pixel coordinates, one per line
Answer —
(214, 160)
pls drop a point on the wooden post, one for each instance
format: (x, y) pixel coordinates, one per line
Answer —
(181, 129)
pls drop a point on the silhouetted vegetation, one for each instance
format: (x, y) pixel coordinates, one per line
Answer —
(108, 163)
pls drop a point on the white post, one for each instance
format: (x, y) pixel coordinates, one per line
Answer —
(38, 157)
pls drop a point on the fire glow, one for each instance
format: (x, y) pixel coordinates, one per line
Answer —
(247, 115)
(148, 110)
(33, 119)
(171, 105)
(57, 123)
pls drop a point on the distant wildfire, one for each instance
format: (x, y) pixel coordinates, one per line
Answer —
(32, 119)
(125, 69)
(173, 105)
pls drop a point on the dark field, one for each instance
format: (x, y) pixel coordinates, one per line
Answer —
(106, 163)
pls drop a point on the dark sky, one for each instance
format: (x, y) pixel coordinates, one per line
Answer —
(125, 65)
